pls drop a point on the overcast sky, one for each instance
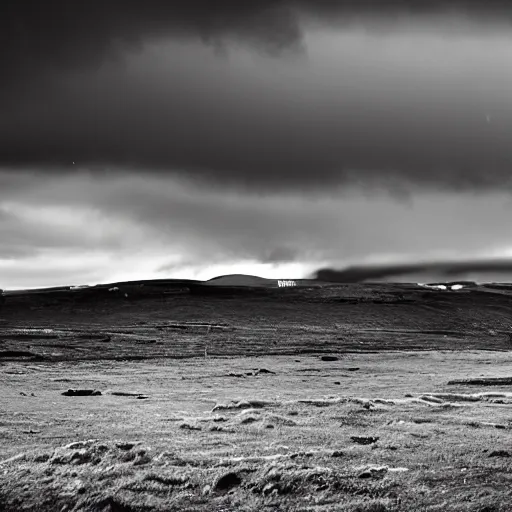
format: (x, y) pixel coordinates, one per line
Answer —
(192, 139)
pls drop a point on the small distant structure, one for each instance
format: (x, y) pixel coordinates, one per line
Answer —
(437, 286)
(285, 284)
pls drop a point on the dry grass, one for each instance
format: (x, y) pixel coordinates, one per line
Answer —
(249, 428)
(268, 446)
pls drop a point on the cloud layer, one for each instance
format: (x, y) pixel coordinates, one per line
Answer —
(180, 139)
(410, 94)
(76, 230)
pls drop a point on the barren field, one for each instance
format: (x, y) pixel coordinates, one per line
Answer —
(375, 398)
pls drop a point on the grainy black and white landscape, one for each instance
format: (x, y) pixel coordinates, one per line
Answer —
(255, 255)
(207, 396)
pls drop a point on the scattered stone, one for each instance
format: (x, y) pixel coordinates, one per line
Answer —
(139, 396)
(364, 439)
(82, 392)
(23, 394)
(301, 454)
(499, 453)
(374, 472)
(227, 482)
(125, 446)
(269, 425)
(337, 453)
(329, 358)
(337, 382)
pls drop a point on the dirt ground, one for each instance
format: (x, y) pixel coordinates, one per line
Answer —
(228, 403)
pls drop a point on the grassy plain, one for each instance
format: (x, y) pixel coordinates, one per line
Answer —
(224, 403)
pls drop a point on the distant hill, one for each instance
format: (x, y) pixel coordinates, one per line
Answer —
(241, 280)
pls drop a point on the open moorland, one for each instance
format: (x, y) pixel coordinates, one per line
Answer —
(192, 397)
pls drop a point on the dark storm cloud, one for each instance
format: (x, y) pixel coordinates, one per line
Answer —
(59, 33)
(448, 270)
(279, 124)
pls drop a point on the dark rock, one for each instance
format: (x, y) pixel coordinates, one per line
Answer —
(364, 439)
(127, 393)
(301, 454)
(353, 369)
(227, 482)
(376, 472)
(338, 383)
(82, 392)
(337, 453)
(329, 358)
(125, 446)
(499, 453)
